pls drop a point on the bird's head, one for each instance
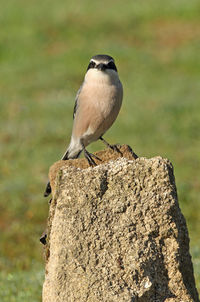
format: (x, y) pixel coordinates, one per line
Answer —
(102, 63)
(102, 67)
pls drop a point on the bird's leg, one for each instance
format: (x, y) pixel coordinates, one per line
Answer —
(93, 155)
(89, 156)
(113, 147)
(105, 142)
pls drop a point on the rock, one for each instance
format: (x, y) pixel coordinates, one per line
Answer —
(116, 233)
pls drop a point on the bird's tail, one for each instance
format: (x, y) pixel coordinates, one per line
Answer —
(73, 151)
(69, 155)
(66, 155)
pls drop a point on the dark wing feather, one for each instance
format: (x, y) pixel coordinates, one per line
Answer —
(76, 101)
(75, 108)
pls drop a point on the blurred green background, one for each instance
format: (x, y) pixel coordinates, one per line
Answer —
(45, 47)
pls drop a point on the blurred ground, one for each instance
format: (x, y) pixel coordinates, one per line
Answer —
(45, 47)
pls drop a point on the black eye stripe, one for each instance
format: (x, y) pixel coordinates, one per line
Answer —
(91, 65)
(111, 65)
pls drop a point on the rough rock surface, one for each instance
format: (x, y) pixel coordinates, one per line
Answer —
(116, 233)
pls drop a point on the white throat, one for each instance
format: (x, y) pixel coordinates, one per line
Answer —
(109, 76)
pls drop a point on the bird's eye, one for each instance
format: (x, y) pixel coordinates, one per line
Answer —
(111, 65)
(91, 65)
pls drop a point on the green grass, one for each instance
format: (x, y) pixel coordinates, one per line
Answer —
(44, 51)
(21, 286)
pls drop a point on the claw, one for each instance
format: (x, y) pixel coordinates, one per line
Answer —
(93, 155)
(89, 156)
(115, 148)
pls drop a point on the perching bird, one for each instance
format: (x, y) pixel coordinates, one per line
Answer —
(97, 105)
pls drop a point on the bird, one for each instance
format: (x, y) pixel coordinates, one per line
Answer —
(97, 104)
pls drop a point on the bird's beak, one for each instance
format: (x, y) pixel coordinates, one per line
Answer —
(101, 66)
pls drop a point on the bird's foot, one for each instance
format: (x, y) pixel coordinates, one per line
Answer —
(96, 157)
(115, 148)
(89, 158)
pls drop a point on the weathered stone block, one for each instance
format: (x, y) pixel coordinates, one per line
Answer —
(116, 233)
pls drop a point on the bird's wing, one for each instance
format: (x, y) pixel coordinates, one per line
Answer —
(76, 101)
